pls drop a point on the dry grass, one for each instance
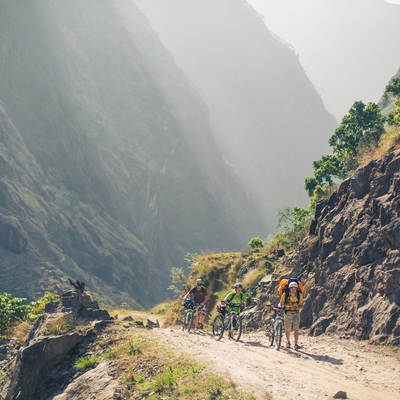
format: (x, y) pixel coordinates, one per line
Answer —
(253, 277)
(20, 332)
(148, 369)
(389, 141)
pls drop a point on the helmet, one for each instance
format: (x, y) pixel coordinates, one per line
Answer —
(293, 284)
(237, 285)
(199, 282)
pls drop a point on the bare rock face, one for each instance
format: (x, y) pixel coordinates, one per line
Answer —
(12, 236)
(351, 261)
(93, 384)
(45, 350)
(35, 360)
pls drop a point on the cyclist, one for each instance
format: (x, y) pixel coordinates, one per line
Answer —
(293, 305)
(200, 296)
(237, 299)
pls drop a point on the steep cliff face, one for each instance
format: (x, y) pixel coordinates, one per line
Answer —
(109, 171)
(351, 261)
(267, 117)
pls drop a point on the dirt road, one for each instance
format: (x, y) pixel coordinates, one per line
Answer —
(323, 367)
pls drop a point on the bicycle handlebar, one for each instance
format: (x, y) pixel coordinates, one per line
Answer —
(285, 308)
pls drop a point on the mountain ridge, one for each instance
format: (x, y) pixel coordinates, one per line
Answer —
(129, 174)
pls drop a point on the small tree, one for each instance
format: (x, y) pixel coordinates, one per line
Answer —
(360, 128)
(393, 87)
(393, 118)
(178, 281)
(256, 243)
(191, 258)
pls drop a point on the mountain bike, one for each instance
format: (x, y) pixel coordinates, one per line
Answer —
(187, 322)
(227, 321)
(275, 328)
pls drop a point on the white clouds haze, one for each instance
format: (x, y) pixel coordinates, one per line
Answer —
(348, 48)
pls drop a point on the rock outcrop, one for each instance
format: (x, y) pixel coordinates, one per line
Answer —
(351, 260)
(32, 375)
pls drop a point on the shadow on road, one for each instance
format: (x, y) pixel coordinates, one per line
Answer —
(254, 344)
(323, 358)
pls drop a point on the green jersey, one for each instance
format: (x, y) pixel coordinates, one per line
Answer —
(236, 300)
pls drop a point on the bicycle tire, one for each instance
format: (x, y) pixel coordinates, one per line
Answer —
(278, 334)
(235, 327)
(183, 321)
(189, 320)
(218, 327)
(270, 333)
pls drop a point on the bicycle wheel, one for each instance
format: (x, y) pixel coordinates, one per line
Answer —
(235, 328)
(278, 334)
(270, 333)
(218, 327)
(183, 320)
(189, 320)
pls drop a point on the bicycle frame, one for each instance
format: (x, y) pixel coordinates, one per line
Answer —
(230, 322)
(188, 317)
(276, 327)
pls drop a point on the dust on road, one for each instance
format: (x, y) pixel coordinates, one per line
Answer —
(323, 367)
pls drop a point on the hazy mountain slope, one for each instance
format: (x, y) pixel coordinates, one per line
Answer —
(268, 119)
(128, 176)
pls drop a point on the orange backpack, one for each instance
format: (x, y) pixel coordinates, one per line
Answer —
(284, 285)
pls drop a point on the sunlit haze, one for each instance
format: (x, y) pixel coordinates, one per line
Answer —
(348, 48)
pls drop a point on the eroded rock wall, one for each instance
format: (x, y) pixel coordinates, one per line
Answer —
(351, 260)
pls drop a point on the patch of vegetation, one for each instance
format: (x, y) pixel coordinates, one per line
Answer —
(59, 326)
(85, 362)
(163, 308)
(38, 306)
(256, 243)
(156, 372)
(253, 277)
(14, 310)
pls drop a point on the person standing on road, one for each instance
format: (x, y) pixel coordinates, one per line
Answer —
(200, 296)
(293, 303)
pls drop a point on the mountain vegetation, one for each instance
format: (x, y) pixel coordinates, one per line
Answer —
(344, 247)
(93, 184)
(109, 171)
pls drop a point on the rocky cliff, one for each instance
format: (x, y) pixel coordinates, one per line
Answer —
(109, 172)
(351, 260)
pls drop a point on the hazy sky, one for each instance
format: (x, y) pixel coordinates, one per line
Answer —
(349, 48)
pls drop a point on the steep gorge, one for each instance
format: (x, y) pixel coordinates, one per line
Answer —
(118, 174)
(267, 117)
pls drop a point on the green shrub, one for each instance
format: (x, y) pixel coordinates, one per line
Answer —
(256, 243)
(85, 362)
(12, 310)
(38, 306)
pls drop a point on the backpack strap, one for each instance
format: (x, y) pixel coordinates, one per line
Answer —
(286, 291)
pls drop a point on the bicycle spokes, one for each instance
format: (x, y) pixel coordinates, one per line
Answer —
(271, 333)
(187, 320)
(218, 327)
(278, 333)
(235, 329)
